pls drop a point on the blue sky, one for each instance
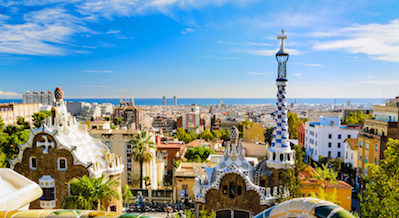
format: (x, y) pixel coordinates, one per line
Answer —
(199, 48)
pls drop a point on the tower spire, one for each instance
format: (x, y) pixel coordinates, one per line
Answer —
(280, 154)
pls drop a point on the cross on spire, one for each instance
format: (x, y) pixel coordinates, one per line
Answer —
(282, 37)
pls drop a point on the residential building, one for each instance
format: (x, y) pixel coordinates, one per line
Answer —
(254, 133)
(34, 97)
(377, 130)
(164, 100)
(170, 152)
(132, 117)
(174, 101)
(314, 116)
(309, 184)
(118, 142)
(326, 138)
(9, 112)
(166, 123)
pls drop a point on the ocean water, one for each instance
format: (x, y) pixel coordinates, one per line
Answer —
(228, 101)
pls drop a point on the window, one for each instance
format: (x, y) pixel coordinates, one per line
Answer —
(366, 159)
(349, 136)
(108, 144)
(360, 170)
(48, 194)
(339, 154)
(346, 155)
(360, 157)
(339, 136)
(33, 163)
(185, 188)
(316, 143)
(62, 163)
(225, 189)
(329, 136)
(339, 145)
(315, 152)
(375, 161)
(232, 193)
(329, 153)
(376, 147)
(352, 156)
(329, 144)
(367, 146)
(360, 143)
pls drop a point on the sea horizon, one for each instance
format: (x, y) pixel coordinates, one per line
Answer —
(226, 101)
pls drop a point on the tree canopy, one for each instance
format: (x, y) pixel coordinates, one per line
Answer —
(293, 124)
(141, 150)
(327, 177)
(38, 118)
(10, 137)
(356, 118)
(89, 193)
(381, 195)
(198, 154)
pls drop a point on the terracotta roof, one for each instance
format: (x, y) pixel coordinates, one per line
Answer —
(195, 143)
(170, 145)
(98, 121)
(340, 184)
(113, 131)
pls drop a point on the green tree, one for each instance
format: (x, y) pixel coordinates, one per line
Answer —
(141, 151)
(10, 138)
(89, 193)
(38, 118)
(126, 194)
(198, 154)
(182, 135)
(3, 160)
(269, 135)
(356, 118)
(117, 121)
(1, 124)
(21, 122)
(327, 177)
(293, 124)
(207, 135)
(381, 195)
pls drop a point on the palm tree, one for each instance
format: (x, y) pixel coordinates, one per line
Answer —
(87, 192)
(141, 151)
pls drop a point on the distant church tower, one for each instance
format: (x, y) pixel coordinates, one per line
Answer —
(280, 154)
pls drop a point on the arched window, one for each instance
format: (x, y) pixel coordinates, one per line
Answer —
(232, 193)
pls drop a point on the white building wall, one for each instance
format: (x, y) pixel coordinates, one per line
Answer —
(317, 140)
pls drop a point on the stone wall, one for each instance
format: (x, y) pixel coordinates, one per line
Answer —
(47, 165)
(232, 194)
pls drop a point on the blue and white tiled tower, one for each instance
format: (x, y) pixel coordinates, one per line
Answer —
(280, 154)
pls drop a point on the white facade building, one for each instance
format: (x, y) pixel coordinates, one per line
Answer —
(326, 138)
(35, 97)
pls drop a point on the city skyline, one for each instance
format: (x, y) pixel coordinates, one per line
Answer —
(199, 49)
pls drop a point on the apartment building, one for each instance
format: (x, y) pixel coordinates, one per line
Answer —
(326, 138)
(9, 112)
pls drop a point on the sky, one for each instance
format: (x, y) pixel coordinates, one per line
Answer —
(199, 48)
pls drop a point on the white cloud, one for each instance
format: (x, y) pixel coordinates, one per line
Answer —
(378, 41)
(312, 65)
(187, 30)
(369, 77)
(298, 74)
(258, 73)
(260, 44)
(42, 33)
(3, 93)
(98, 71)
(113, 32)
